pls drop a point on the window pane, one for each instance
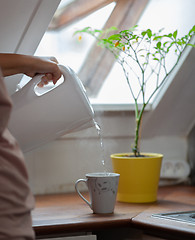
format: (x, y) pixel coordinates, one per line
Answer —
(171, 15)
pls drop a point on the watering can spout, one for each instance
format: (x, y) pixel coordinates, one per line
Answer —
(41, 115)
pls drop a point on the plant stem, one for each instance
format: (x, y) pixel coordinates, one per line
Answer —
(139, 116)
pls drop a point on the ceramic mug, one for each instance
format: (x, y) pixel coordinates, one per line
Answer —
(102, 189)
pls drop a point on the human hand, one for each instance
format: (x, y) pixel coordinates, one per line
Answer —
(30, 65)
(46, 66)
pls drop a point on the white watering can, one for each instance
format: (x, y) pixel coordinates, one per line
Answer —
(40, 115)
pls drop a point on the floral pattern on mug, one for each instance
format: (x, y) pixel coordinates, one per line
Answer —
(104, 186)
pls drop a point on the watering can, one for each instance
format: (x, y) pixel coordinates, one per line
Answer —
(40, 115)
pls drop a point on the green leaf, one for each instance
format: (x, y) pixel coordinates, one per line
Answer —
(157, 38)
(158, 45)
(192, 30)
(149, 33)
(175, 34)
(98, 31)
(133, 28)
(168, 35)
(113, 28)
(192, 45)
(82, 30)
(143, 33)
(179, 42)
(115, 37)
(165, 43)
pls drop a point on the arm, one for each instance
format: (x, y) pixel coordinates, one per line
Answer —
(30, 65)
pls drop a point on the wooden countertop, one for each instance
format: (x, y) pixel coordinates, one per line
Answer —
(65, 213)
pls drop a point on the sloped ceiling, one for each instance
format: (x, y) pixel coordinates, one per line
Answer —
(175, 113)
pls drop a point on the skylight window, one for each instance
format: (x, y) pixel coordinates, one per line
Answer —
(69, 51)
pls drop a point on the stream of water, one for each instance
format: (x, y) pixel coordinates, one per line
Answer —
(98, 128)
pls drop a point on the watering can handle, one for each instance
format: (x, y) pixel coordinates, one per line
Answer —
(29, 87)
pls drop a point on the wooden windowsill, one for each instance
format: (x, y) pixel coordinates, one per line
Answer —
(66, 213)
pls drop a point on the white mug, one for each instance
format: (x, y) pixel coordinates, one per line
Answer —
(102, 189)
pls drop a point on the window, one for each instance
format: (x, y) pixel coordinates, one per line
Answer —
(112, 89)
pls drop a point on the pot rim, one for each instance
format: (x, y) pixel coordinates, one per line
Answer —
(122, 155)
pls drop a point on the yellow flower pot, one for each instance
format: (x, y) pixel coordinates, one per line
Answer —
(139, 176)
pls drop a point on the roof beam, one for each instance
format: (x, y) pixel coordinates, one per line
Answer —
(75, 11)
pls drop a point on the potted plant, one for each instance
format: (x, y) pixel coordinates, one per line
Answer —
(144, 57)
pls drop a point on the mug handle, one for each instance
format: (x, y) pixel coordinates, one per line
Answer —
(77, 190)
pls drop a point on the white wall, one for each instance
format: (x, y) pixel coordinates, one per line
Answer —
(56, 166)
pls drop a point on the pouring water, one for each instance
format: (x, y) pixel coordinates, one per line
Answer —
(98, 128)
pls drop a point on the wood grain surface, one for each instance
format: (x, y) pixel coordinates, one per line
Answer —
(65, 213)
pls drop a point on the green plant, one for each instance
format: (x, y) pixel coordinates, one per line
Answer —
(143, 57)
